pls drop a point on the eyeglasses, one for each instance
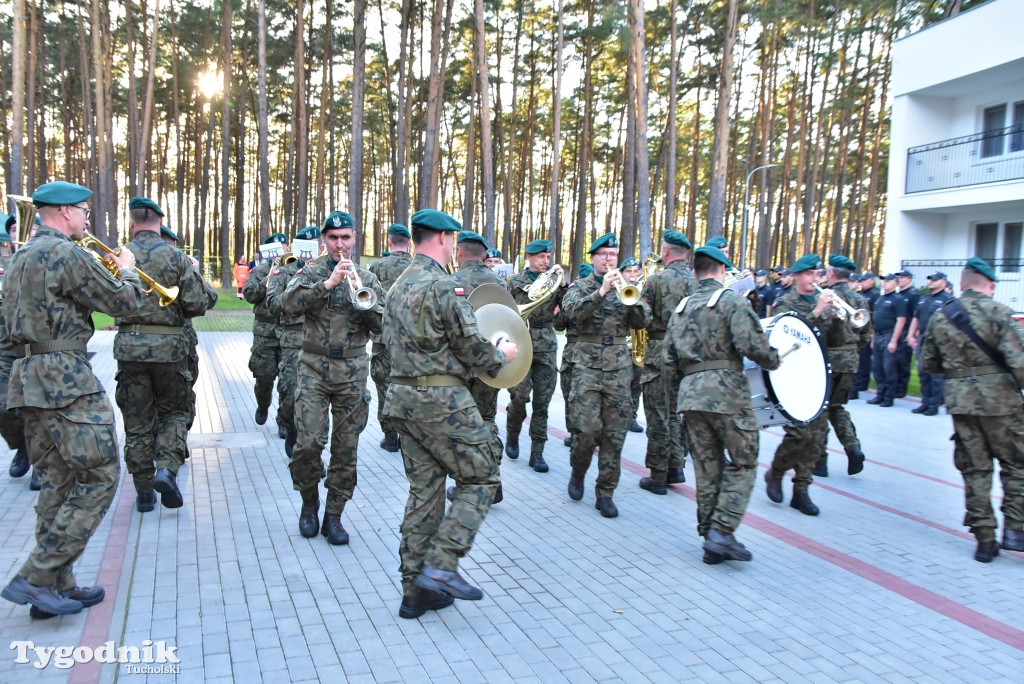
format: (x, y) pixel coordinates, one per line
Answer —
(87, 210)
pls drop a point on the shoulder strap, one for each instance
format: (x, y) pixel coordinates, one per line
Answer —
(957, 315)
(682, 305)
(716, 296)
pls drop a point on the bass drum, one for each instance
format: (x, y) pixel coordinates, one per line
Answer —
(798, 391)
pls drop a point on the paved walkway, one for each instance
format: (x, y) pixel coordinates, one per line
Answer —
(880, 587)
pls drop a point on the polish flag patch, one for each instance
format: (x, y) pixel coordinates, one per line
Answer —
(459, 292)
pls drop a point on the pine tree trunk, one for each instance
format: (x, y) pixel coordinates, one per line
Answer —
(355, 169)
(643, 175)
(223, 227)
(556, 126)
(261, 114)
(486, 151)
(720, 149)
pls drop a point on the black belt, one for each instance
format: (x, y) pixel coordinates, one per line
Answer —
(334, 352)
(721, 364)
(972, 372)
(537, 325)
(139, 329)
(606, 340)
(430, 381)
(655, 336)
(33, 348)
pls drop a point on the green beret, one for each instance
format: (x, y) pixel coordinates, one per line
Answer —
(167, 232)
(9, 222)
(674, 237)
(718, 242)
(586, 270)
(631, 261)
(385, 253)
(494, 254)
(606, 240)
(308, 233)
(839, 261)
(60, 192)
(145, 203)
(539, 246)
(276, 237)
(714, 253)
(470, 236)
(432, 219)
(399, 229)
(979, 265)
(338, 219)
(805, 263)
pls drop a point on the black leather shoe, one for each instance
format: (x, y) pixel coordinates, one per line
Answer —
(289, 443)
(712, 558)
(390, 444)
(920, 409)
(820, 468)
(575, 487)
(261, 415)
(675, 476)
(34, 484)
(282, 432)
(145, 501)
(856, 463)
(537, 462)
(653, 486)
(802, 502)
(636, 427)
(899, 395)
(87, 596)
(19, 464)
(334, 530)
(773, 485)
(499, 496)
(415, 606)
(166, 483)
(931, 411)
(877, 400)
(726, 545)
(987, 550)
(447, 581)
(567, 442)
(309, 517)
(886, 403)
(512, 450)
(1013, 540)
(607, 507)
(47, 598)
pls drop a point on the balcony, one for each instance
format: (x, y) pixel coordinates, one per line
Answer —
(991, 157)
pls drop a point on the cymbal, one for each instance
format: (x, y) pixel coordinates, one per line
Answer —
(492, 293)
(496, 320)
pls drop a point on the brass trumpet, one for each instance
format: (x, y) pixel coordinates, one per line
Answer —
(858, 317)
(363, 298)
(628, 294)
(89, 241)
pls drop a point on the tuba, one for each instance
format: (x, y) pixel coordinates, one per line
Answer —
(542, 289)
(89, 241)
(638, 338)
(26, 209)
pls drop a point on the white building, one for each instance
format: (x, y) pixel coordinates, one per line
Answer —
(956, 158)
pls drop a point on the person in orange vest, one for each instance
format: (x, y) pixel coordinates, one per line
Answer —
(240, 273)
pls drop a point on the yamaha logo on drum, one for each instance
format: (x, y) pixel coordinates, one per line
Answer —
(798, 334)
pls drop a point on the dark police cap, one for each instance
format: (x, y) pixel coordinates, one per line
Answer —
(674, 237)
(714, 253)
(785, 272)
(979, 265)
(938, 275)
(308, 233)
(60, 192)
(905, 273)
(539, 247)
(840, 261)
(586, 270)
(867, 275)
(807, 262)
(276, 237)
(890, 276)
(470, 236)
(145, 203)
(494, 254)
(855, 277)
(777, 268)
(719, 242)
(168, 233)
(399, 229)
(606, 240)
(432, 219)
(338, 219)
(761, 272)
(631, 261)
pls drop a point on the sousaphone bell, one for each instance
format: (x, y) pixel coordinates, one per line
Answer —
(497, 316)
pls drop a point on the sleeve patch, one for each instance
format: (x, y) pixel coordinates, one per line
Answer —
(460, 292)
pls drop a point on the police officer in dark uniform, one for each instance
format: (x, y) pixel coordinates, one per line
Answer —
(890, 319)
(765, 292)
(931, 383)
(905, 281)
(869, 292)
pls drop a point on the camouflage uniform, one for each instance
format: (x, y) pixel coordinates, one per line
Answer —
(599, 395)
(12, 426)
(986, 406)
(704, 350)
(387, 269)
(191, 363)
(53, 286)
(290, 342)
(844, 345)
(431, 334)
(154, 389)
(666, 445)
(567, 362)
(802, 445)
(265, 357)
(543, 375)
(332, 374)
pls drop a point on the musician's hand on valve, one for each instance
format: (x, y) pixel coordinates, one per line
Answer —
(608, 284)
(823, 303)
(337, 275)
(123, 259)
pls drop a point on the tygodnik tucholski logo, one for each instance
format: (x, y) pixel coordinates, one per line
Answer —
(151, 658)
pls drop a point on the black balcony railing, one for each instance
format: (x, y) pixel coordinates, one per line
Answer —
(1009, 289)
(989, 157)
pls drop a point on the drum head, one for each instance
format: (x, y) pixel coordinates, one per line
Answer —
(802, 385)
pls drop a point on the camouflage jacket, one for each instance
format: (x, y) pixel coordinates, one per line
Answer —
(946, 349)
(387, 269)
(255, 292)
(602, 316)
(473, 274)
(170, 267)
(277, 282)
(663, 291)
(540, 321)
(331, 321)
(844, 341)
(53, 286)
(430, 329)
(727, 331)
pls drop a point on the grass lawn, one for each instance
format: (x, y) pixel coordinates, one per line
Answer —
(227, 300)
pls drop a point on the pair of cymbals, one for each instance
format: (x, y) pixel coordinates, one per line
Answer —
(497, 316)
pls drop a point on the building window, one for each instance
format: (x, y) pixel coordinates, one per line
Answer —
(1011, 247)
(985, 237)
(993, 121)
(1017, 132)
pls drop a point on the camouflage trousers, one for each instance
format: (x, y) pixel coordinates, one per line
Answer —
(460, 447)
(601, 407)
(486, 398)
(565, 381)
(800, 450)
(666, 445)
(349, 404)
(191, 365)
(74, 453)
(979, 441)
(380, 371)
(723, 485)
(12, 429)
(540, 381)
(155, 401)
(846, 431)
(635, 389)
(287, 379)
(264, 360)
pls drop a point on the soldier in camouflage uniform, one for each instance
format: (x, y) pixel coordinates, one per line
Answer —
(332, 374)
(265, 357)
(154, 388)
(53, 286)
(12, 427)
(572, 336)
(707, 338)
(630, 269)
(387, 269)
(985, 402)
(803, 444)
(666, 446)
(431, 333)
(600, 393)
(543, 373)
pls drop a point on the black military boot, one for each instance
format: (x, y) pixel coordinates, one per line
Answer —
(19, 464)
(512, 446)
(856, 462)
(653, 486)
(801, 501)
(1013, 540)
(675, 476)
(575, 486)
(309, 517)
(726, 545)
(261, 415)
(820, 468)
(166, 482)
(390, 443)
(712, 558)
(499, 496)
(282, 432)
(607, 507)
(334, 530)
(289, 443)
(537, 462)
(567, 442)
(987, 550)
(145, 501)
(773, 485)
(423, 600)
(636, 427)
(34, 484)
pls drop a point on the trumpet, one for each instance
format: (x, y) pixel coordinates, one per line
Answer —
(546, 285)
(89, 241)
(628, 294)
(363, 298)
(858, 317)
